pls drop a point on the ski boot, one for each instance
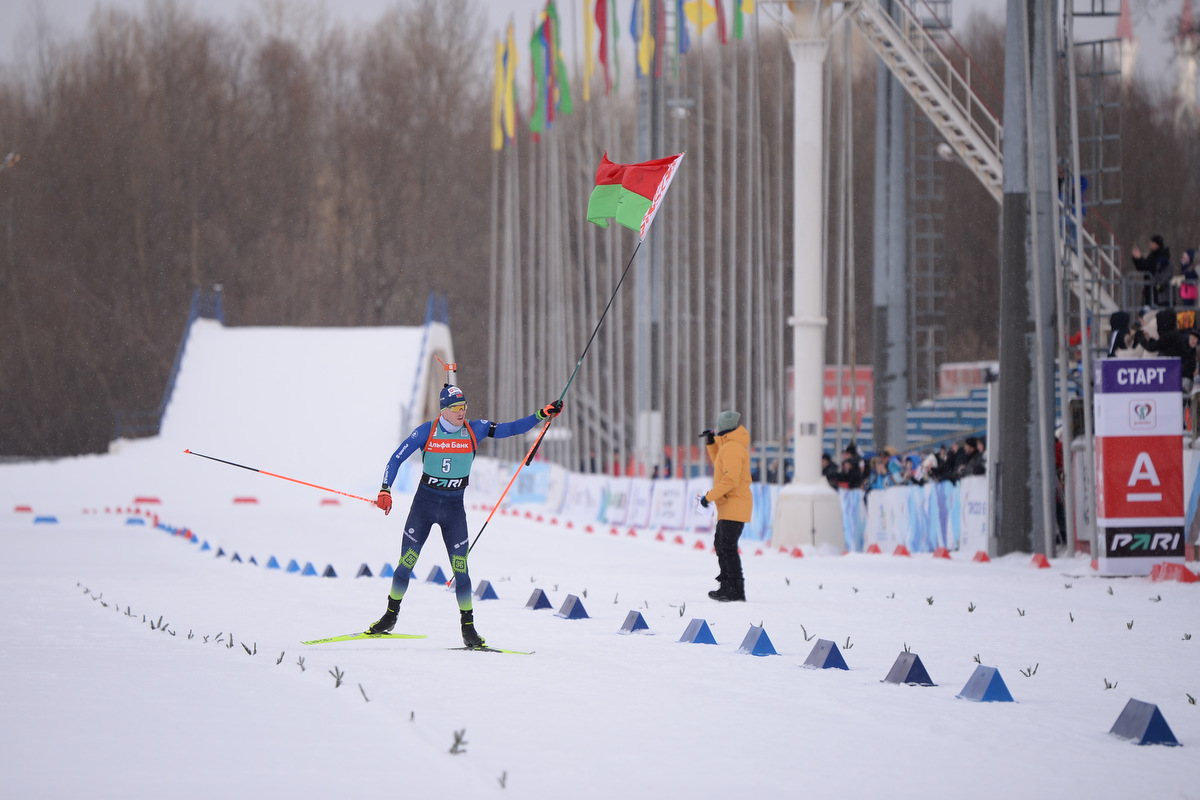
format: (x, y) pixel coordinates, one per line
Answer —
(471, 637)
(388, 620)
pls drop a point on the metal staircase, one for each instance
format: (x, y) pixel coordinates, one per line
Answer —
(946, 95)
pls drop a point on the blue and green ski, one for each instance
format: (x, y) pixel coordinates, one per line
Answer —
(349, 637)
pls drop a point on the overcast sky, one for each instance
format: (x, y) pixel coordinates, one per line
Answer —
(68, 18)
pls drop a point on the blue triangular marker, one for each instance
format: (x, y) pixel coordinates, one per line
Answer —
(825, 655)
(205, 546)
(634, 621)
(272, 563)
(329, 572)
(293, 566)
(485, 591)
(1143, 723)
(309, 569)
(909, 669)
(572, 608)
(697, 632)
(436, 575)
(538, 600)
(387, 571)
(364, 572)
(986, 686)
(757, 643)
(252, 561)
(236, 558)
(135, 521)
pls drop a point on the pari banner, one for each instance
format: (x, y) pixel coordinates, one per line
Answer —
(1139, 464)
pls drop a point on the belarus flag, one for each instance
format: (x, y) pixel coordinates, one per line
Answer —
(630, 193)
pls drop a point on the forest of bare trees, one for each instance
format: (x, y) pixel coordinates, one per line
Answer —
(329, 176)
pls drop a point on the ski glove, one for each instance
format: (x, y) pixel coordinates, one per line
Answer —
(384, 500)
(549, 410)
(708, 436)
(703, 500)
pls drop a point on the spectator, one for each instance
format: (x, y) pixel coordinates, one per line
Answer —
(971, 461)
(829, 470)
(728, 448)
(1171, 343)
(1188, 290)
(1121, 333)
(1156, 266)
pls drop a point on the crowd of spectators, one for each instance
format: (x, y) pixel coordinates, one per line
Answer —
(1164, 285)
(914, 468)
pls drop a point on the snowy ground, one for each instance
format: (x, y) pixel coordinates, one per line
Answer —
(100, 702)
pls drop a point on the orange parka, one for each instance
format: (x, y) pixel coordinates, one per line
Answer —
(730, 455)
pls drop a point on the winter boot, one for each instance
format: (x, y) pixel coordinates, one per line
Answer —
(471, 637)
(388, 620)
(732, 590)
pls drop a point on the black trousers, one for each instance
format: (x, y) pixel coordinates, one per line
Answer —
(725, 541)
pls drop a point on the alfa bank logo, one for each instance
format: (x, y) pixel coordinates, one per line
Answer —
(1143, 415)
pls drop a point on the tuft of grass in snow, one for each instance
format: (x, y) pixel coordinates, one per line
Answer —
(279, 660)
(848, 645)
(364, 694)
(1108, 685)
(805, 632)
(929, 599)
(1157, 599)
(971, 606)
(460, 743)
(977, 661)
(503, 779)
(1029, 672)
(300, 662)
(1021, 612)
(1129, 625)
(337, 676)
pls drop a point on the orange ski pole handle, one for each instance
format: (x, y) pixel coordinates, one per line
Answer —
(281, 477)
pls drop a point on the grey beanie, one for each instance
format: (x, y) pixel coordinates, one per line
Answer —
(727, 421)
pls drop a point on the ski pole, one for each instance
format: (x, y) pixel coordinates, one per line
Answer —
(282, 477)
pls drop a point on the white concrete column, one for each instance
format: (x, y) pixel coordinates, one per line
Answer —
(808, 511)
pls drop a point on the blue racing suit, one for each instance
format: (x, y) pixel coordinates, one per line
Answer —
(447, 454)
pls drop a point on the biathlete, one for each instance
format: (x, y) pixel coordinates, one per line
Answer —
(448, 444)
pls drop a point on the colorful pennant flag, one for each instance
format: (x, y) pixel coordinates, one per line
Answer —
(722, 31)
(498, 99)
(740, 7)
(602, 24)
(630, 193)
(510, 86)
(589, 45)
(700, 13)
(639, 29)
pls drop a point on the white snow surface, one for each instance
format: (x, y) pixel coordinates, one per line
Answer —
(100, 702)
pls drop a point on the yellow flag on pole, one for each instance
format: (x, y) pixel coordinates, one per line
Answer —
(589, 65)
(498, 98)
(700, 13)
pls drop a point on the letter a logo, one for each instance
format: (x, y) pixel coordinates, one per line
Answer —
(1143, 470)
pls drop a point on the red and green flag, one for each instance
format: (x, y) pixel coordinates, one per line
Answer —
(631, 193)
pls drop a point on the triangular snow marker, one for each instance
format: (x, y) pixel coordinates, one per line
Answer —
(538, 600)
(205, 546)
(309, 569)
(293, 566)
(909, 669)
(220, 552)
(986, 686)
(572, 608)
(825, 655)
(252, 561)
(941, 552)
(236, 558)
(697, 632)
(329, 572)
(387, 571)
(757, 643)
(1040, 561)
(436, 575)
(901, 550)
(135, 521)
(634, 621)
(873, 549)
(364, 572)
(981, 557)
(1143, 723)
(485, 591)
(272, 563)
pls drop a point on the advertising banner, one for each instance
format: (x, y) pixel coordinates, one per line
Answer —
(1139, 464)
